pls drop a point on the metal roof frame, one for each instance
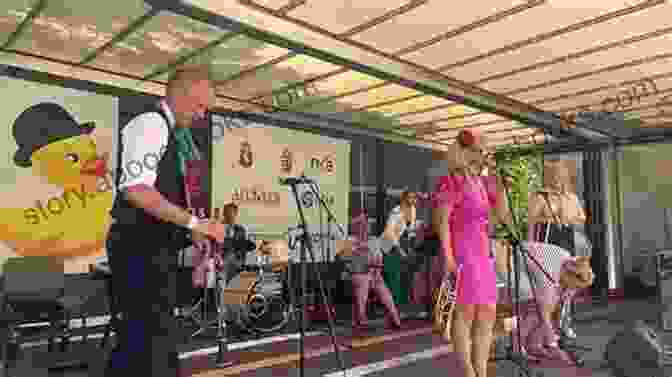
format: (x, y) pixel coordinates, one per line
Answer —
(486, 101)
(401, 96)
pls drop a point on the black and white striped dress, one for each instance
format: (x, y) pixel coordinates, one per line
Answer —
(545, 262)
(556, 234)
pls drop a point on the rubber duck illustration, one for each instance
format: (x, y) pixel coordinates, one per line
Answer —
(71, 219)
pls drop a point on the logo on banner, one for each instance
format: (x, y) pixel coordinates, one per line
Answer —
(246, 159)
(326, 164)
(286, 161)
(256, 195)
(309, 200)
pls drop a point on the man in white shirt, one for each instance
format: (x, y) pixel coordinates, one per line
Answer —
(151, 223)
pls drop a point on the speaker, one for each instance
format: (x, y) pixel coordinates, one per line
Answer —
(664, 285)
(636, 351)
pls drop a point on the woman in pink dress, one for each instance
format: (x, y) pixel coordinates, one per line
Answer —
(463, 200)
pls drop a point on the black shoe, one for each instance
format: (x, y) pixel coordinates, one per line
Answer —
(567, 343)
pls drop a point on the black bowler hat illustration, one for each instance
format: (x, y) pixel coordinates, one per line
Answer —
(41, 125)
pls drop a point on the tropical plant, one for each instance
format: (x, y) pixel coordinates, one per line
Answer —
(525, 167)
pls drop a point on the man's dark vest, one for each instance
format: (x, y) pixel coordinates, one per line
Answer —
(169, 183)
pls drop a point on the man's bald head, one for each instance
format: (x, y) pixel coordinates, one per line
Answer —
(183, 79)
(190, 94)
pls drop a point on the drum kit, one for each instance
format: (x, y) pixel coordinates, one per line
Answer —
(256, 299)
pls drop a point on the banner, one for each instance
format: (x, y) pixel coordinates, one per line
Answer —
(250, 158)
(55, 182)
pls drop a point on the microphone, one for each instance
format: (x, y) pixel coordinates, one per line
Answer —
(291, 181)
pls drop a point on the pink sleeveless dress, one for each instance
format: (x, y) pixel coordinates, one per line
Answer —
(471, 203)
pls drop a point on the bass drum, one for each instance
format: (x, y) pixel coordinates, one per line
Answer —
(258, 303)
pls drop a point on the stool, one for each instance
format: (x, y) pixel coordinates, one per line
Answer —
(102, 272)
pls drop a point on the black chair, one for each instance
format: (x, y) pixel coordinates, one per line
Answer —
(102, 271)
(35, 285)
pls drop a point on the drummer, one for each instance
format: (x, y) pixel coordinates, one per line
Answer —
(234, 249)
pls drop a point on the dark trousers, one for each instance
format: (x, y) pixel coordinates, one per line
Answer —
(144, 283)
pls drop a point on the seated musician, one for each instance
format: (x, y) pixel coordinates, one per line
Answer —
(554, 278)
(237, 243)
(229, 257)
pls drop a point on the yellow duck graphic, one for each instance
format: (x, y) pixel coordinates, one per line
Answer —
(73, 220)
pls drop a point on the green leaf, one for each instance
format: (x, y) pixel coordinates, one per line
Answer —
(525, 168)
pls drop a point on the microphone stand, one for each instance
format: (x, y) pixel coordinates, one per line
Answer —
(517, 357)
(331, 219)
(307, 245)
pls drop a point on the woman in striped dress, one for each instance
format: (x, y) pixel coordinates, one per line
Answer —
(554, 213)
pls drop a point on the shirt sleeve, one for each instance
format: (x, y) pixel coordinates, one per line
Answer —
(449, 191)
(395, 217)
(144, 140)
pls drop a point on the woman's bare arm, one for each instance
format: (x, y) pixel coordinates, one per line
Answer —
(445, 237)
(392, 232)
(502, 211)
(535, 212)
(580, 215)
(535, 209)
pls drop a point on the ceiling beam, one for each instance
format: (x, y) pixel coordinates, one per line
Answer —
(133, 26)
(489, 132)
(310, 122)
(32, 13)
(161, 70)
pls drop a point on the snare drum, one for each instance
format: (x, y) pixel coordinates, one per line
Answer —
(258, 301)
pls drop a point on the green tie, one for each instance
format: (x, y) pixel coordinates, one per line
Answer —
(186, 149)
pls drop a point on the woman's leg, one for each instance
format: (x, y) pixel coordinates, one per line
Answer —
(463, 317)
(482, 336)
(360, 287)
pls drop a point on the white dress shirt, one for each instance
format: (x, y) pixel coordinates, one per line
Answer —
(144, 141)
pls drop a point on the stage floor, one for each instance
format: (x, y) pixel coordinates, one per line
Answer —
(413, 350)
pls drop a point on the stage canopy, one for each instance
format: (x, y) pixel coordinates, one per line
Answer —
(415, 70)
